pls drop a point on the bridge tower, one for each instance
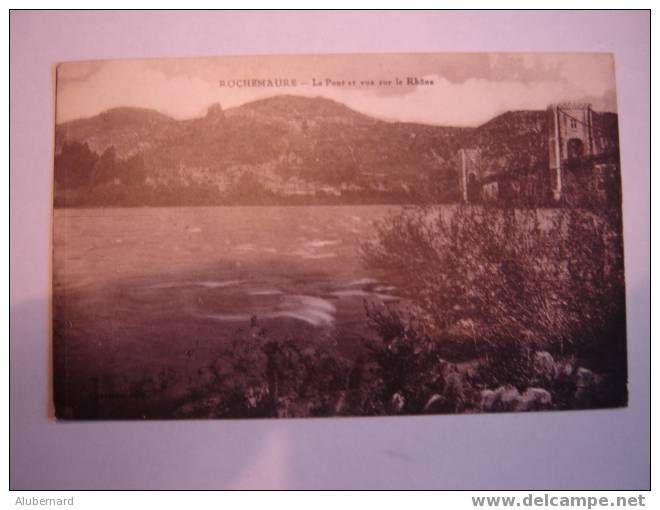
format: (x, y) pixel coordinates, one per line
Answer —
(570, 138)
(470, 174)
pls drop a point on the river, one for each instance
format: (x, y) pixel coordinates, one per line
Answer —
(142, 290)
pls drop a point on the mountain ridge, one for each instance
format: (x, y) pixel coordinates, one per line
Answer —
(285, 146)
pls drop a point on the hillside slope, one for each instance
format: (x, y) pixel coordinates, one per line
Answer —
(284, 149)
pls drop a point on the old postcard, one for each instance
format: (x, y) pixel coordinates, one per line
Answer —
(337, 235)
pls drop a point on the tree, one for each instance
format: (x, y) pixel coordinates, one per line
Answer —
(514, 281)
(74, 165)
(105, 169)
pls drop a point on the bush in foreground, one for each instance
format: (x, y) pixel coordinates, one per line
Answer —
(512, 283)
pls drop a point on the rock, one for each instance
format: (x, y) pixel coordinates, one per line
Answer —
(451, 386)
(215, 112)
(585, 378)
(587, 386)
(534, 399)
(565, 370)
(504, 398)
(436, 404)
(488, 398)
(397, 403)
(509, 399)
(454, 392)
(545, 367)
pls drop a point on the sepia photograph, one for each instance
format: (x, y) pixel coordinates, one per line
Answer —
(337, 235)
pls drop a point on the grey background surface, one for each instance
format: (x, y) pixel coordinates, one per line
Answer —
(589, 450)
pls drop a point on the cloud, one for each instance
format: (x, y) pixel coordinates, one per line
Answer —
(514, 82)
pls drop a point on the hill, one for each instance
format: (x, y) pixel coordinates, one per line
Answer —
(284, 149)
(129, 130)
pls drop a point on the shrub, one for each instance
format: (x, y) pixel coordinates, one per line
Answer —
(513, 281)
(406, 363)
(258, 376)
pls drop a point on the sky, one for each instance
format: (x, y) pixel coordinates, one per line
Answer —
(467, 89)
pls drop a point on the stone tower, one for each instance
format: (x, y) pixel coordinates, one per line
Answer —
(570, 139)
(469, 174)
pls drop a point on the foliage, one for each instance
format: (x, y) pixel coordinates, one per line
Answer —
(516, 281)
(407, 365)
(257, 375)
(502, 285)
(74, 164)
(85, 178)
